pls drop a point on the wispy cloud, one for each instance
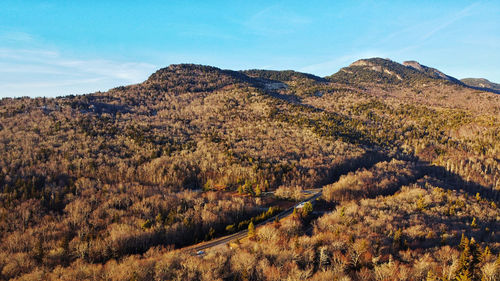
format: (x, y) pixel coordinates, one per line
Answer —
(53, 62)
(16, 36)
(404, 43)
(45, 84)
(419, 33)
(45, 72)
(450, 20)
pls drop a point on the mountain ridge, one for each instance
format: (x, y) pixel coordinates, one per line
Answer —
(199, 78)
(432, 72)
(482, 84)
(388, 71)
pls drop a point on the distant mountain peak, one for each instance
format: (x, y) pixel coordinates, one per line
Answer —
(384, 66)
(187, 69)
(371, 62)
(432, 72)
(414, 64)
(203, 78)
(195, 78)
(482, 84)
(381, 70)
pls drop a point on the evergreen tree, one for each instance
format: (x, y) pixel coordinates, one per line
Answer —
(257, 190)
(251, 229)
(469, 258)
(307, 209)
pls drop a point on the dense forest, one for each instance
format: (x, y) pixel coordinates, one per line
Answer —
(113, 185)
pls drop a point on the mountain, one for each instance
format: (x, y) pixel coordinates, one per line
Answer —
(410, 82)
(115, 185)
(482, 84)
(387, 71)
(195, 78)
(283, 76)
(431, 72)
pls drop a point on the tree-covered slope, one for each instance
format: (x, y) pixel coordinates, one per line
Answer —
(378, 70)
(482, 83)
(124, 176)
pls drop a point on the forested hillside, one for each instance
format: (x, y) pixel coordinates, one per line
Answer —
(481, 83)
(109, 185)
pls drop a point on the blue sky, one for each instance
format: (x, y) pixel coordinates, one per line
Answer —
(51, 48)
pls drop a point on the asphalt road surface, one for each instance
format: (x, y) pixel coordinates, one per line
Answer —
(242, 234)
